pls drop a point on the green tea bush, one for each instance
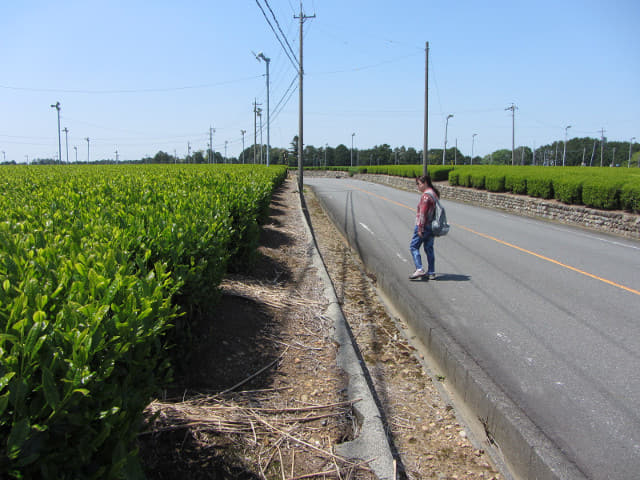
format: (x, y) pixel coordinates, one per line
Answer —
(539, 186)
(494, 182)
(515, 182)
(568, 189)
(630, 196)
(477, 180)
(96, 265)
(603, 193)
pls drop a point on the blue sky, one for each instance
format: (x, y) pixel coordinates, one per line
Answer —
(141, 76)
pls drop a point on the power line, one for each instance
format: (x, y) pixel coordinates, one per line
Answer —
(280, 29)
(141, 90)
(294, 62)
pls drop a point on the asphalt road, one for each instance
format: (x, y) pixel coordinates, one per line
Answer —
(550, 313)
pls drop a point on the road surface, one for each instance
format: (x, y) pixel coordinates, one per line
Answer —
(550, 313)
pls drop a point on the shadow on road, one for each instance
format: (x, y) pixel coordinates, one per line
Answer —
(452, 277)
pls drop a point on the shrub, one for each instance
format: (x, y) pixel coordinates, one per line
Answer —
(539, 186)
(630, 197)
(476, 179)
(515, 183)
(602, 193)
(494, 182)
(568, 189)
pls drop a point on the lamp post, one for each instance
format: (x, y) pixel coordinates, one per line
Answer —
(87, 139)
(352, 135)
(57, 107)
(66, 141)
(266, 60)
(630, 145)
(473, 138)
(243, 132)
(446, 127)
(564, 152)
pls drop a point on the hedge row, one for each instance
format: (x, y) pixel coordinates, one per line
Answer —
(603, 188)
(438, 173)
(96, 265)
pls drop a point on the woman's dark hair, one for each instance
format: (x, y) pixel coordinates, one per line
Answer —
(427, 179)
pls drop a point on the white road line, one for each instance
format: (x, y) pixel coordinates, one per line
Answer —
(367, 229)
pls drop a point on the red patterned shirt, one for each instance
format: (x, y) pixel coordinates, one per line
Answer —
(425, 209)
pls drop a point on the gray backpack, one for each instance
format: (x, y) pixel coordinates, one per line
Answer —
(439, 225)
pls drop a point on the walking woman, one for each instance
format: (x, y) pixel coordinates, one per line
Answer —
(422, 234)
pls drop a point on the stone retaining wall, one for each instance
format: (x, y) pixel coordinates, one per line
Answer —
(615, 222)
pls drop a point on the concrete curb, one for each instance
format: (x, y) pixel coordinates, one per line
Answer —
(371, 441)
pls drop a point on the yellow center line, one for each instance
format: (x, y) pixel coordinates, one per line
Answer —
(524, 250)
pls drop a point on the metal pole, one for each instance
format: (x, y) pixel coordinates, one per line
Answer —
(425, 140)
(352, 135)
(446, 127)
(564, 152)
(87, 139)
(66, 141)
(268, 60)
(630, 144)
(57, 107)
(473, 138)
(243, 132)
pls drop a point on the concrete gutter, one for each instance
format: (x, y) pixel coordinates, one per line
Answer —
(371, 443)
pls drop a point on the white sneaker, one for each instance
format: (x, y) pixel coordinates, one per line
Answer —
(419, 273)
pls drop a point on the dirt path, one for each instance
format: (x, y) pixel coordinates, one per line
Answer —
(263, 397)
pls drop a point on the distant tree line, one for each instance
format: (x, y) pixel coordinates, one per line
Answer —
(579, 151)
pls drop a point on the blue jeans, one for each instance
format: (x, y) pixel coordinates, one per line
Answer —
(427, 241)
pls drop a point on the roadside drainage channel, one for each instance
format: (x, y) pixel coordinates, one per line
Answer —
(371, 444)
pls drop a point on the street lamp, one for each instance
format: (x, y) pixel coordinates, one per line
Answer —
(66, 142)
(630, 145)
(243, 132)
(473, 137)
(446, 126)
(564, 152)
(266, 60)
(57, 107)
(352, 135)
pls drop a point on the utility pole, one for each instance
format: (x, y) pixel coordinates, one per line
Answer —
(66, 141)
(211, 159)
(188, 151)
(425, 140)
(601, 146)
(302, 18)
(57, 107)
(630, 144)
(261, 144)
(473, 138)
(513, 131)
(243, 132)
(87, 139)
(613, 159)
(255, 129)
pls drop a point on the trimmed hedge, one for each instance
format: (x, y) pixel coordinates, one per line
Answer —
(96, 264)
